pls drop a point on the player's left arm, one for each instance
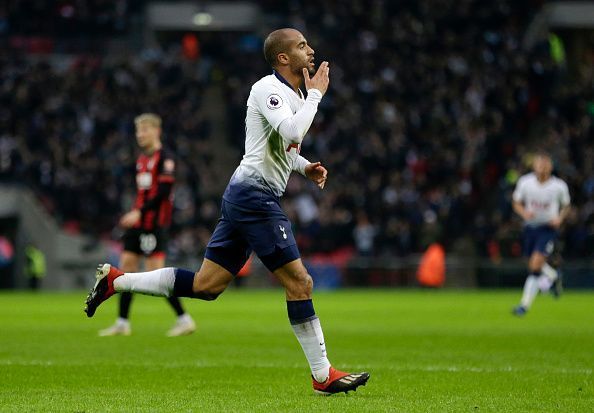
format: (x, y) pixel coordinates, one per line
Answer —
(269, 100)
(518, 200)
(558, 221)
(314, 171)
(293, 129)
(565, 208)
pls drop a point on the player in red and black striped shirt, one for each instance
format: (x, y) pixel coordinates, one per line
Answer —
(147, 223)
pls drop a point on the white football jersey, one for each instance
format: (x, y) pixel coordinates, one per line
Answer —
(545, 200)
(269, 158)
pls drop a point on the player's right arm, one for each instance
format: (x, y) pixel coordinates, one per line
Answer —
(293, 127)
(321, 79)
(518, 201)
(130, 218)
(521, 211)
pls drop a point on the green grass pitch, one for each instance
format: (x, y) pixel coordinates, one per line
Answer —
(427, 351)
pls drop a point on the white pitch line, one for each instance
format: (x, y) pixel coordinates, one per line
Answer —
(203, 363)
(27, 363)
(471, 369)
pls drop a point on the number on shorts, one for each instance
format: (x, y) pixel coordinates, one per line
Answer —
(148, 242)
(550, 247)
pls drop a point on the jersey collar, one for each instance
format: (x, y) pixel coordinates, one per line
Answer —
(283, 80)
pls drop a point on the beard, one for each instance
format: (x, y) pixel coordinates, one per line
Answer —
(298, 69)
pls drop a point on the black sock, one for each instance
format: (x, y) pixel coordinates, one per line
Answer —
(176, 305)
(183, 284)
(125, 302)
(300, 311)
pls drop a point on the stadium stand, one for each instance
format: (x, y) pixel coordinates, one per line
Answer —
(433, 110)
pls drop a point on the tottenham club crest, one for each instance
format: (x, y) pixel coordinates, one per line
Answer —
(274, 101)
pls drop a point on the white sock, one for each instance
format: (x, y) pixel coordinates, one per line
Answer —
(550, 272)
(157, 282)
(530, 291)
(544, 283)
(122, 321)
(184, 318)
(312, 342)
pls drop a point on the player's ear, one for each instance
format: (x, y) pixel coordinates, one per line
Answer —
(282, 58)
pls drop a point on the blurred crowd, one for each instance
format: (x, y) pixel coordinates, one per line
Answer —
(433, 110)
(68, 131)
(66, 17)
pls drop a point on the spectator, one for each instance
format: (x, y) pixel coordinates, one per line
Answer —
(430, 109)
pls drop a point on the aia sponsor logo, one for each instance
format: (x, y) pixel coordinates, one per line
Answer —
(540, 205)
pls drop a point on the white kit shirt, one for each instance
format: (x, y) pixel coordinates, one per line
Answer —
(545, 200)
(277, 119)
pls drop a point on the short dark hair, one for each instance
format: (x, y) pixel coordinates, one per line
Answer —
(274, 44)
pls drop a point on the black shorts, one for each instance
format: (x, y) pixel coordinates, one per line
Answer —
(147, 243)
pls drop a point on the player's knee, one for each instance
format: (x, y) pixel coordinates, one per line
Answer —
(303, 284)
(535, 265)
(308, 284)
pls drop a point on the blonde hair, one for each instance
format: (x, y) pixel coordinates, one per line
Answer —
(150, 118)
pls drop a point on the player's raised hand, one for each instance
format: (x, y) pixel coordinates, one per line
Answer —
(317, 173)
(320, 80)
(130, 218)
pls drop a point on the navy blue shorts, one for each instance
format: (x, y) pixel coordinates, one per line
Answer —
(540, 239)
(240, 231)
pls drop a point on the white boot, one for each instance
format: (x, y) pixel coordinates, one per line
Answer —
(120, 328)
(183, 326)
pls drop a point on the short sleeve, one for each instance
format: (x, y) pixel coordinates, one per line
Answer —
(272, 104)
(166, 171)
(565, 199)
(518, 195)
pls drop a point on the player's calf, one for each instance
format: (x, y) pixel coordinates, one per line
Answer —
(208, 287)
(296, 280)
(557, 287)
(206, 295)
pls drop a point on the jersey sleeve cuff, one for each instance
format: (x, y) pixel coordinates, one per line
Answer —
(300, 165)
(314, 95)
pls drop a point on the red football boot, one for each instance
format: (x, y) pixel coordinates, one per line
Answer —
(103, 288)
(339, 381)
